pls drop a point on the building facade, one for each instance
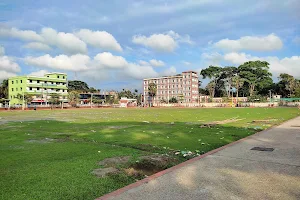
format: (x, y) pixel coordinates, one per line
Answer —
(184, 87)
(39, 87)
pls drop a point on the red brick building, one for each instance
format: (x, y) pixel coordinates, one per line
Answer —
(184, 87)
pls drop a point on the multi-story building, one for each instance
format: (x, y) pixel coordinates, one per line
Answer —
(39, 87)
(184, 87)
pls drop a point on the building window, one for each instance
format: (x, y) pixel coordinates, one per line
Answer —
(30, 88)
(57, 76)
(45, 81)
(30, 81)
(21, 88)
(16, 81)
(38, 81)
(51, 82)
(21, 81)
(48, 76)
(16, 89)
(63, 90)
(38, 88)
(12, 89)
(63, 77)
(12, 82)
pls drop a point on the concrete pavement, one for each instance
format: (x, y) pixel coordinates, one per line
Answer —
(232, 172)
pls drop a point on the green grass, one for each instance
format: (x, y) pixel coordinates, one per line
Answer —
(34, 166)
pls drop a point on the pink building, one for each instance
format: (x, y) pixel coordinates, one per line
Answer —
(184, 87)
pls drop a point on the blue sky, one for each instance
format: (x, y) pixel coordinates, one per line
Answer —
(114, 44)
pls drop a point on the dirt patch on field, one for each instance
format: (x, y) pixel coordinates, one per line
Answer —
(42, 141)
(151, 164)
(265, 121)
(102, 172)
(214, 123)
(110, 162)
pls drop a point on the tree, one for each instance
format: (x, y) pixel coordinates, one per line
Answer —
(211, 88)
(73, 97)
(289, 81)
(4, 89)
(256, 75)
(173, 100)
(77, 85)
(54, 99)
(213, 73)
(237, 83)
(27, 98)
(227, 73)
(152, 89)
(93, 90)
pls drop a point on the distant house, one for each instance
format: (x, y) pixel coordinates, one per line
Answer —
(125, 102)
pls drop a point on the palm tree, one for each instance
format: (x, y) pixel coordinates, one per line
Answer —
(152, 89)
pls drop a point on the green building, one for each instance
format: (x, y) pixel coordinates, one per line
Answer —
(38, 88)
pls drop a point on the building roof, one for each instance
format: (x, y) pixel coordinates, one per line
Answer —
(55, 73)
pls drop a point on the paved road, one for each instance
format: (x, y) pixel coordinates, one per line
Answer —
(236, 172)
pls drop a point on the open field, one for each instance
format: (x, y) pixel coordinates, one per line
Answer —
(51, 154)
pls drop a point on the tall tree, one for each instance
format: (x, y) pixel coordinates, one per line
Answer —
(77, 85)
(289, 81)
(211, 88)
(237, 83)
(213, 73)
(152, 89)
(256, 74)
(54, 99)
(227, 73)
(4, 89)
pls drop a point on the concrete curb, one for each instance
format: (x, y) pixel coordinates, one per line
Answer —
(161, 173)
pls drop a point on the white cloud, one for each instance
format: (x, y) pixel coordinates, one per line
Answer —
(267, 43)
(20, 34)
(139, 72)
(183, 39)
(7, 64)
(5, 75)
(108, 60)
(2, 50)
(39, 73)
(76, 62)
(168, 72)
(213, 58)
(37, 46)
(144, 63)
(68, 42)
(157, 63)
(158, 42)
(101, 39)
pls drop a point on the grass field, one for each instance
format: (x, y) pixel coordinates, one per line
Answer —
(51, 154)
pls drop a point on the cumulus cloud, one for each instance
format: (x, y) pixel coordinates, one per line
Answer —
(37, 46)
(100, 39)
(20, 34)
(144, 63)
(5, 75)
(39, 73)
(8, 64)
(169, 72)
(157, 63)
(158, 42)
(68, 42)
(139, 72)
(267, 43)
(183, 39)
(8, 67)
(76, 62)
(214, 58)
(108, 60)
